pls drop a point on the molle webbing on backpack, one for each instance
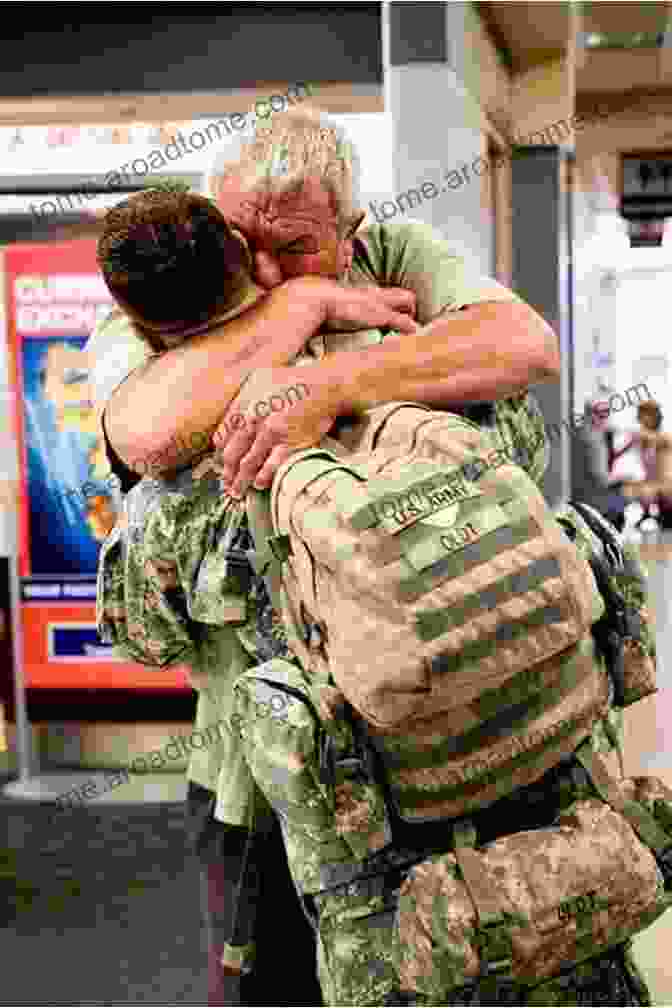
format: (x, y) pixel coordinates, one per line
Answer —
(429, 581)
(435, 775)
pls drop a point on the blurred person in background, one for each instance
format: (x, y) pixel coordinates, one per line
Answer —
(655, 449)
(640, 468)
(591, 458)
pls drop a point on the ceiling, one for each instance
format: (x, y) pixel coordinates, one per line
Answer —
(625, 18)
(523, 35)
(529, 33)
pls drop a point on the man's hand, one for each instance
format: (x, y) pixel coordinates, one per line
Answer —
(352, 308)
(278, 411)
(284, 409)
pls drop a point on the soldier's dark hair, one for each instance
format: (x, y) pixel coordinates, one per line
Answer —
(171, 260)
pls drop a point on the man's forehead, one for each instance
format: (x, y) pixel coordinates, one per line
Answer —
(309, 199)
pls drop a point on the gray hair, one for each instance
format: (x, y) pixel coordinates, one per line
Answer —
(279, 152)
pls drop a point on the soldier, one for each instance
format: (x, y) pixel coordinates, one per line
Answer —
(292, 195)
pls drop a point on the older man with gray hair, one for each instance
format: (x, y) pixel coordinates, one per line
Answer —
(413, 324)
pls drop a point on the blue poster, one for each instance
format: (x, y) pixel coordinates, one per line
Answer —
(70, 504)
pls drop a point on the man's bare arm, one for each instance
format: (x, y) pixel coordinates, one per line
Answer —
(162, 416)
(482, 353)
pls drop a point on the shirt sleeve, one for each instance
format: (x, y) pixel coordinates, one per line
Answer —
(115, 350)
(416, 256)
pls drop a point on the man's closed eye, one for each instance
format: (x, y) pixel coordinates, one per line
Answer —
(300, 246)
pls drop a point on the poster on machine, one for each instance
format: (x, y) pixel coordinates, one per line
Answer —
(55, 296)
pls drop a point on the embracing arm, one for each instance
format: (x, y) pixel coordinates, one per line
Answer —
(484, 352)
(487, 351)
(163, 415)
(175, 399)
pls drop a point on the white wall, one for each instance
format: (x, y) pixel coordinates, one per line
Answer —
(643, 334)
(435, 139)
(372, 136)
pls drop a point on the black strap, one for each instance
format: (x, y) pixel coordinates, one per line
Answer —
(605, 531)
(238, 955)
(611, 629)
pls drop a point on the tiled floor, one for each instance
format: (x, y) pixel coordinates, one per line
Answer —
(98, 906)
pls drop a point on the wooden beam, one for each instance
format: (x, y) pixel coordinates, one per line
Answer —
(617, 70)
(490, 78)
(576, 51)
(501, 195)
(540, 97)
(639, 119)
(665, 51)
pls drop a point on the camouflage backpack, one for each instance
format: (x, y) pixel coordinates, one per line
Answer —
(497, 924)
(425, 578)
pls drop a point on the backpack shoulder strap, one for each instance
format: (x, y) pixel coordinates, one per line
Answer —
(270, 550)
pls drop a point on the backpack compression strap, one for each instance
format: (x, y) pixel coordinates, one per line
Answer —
(493, 926)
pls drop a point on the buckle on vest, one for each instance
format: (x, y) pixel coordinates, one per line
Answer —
(317, 636)
(314, 632)
(664, 860)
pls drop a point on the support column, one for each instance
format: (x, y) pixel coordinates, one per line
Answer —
(541, 274)
(437, 139)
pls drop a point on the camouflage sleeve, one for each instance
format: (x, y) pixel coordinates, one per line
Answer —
(520, 430)
(215, 576)
(176, 569)
(158, 622)
(136, 609)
